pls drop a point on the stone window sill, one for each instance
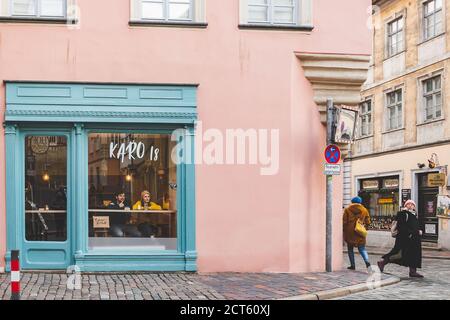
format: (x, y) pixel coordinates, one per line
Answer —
(37, 20)
(364, 137)
(431, 39)
(430, 122)
(394, 55)
(393, 130)
(275, 27)
(176, 24)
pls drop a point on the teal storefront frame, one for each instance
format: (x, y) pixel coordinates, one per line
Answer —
(75, 110)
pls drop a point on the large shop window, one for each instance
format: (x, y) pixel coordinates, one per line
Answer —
(132, 191)
(381, 198)
(46, 188)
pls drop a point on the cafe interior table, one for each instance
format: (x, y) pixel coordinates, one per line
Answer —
(170, 213)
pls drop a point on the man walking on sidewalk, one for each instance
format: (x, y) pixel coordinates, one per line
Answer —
(352, 214)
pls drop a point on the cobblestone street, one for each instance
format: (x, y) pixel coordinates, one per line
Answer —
(435, 285)
(176, 286)
(232, 286)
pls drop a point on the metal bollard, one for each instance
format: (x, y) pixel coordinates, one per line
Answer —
(15, 275)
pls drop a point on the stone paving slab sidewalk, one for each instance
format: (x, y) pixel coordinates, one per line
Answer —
(426, 253)
(189, 286)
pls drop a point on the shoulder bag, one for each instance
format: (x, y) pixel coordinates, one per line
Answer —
(360, 229)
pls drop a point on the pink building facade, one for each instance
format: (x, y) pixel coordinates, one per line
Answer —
(82, 79)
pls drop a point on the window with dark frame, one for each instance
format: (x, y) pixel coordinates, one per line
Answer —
(432, 98)
(380, 197)
(45, 188)
(394, 109)
(365, 118)
(395, 41)
(432, 18)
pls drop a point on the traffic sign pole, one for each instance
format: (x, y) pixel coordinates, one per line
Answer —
(329, 191)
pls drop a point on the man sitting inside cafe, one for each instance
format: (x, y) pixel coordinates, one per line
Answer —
(120, 221)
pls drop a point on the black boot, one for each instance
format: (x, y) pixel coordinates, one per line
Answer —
(413, 273)
(381, 264)
(367, 264)
(351, 268)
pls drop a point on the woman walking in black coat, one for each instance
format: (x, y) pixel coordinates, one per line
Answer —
(408, 244)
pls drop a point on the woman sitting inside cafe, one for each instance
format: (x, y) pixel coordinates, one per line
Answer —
(146, 228)
(145, 203)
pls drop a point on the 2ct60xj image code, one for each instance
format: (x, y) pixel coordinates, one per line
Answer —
(228, 310)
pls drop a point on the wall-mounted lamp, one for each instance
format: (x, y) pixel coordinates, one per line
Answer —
(433, 161)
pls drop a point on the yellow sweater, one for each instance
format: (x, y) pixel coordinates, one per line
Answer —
(153, 206)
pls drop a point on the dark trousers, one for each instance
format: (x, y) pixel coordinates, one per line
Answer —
(122, 230)
(147, 230)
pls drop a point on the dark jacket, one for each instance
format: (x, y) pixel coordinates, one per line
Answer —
(118, 218)
(352, 213)
(408, 243)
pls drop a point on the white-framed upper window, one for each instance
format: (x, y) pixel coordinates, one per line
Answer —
(38, 8)
(394, 109)
(432, 18)
(432, 98)
(395, 36)
(365, 118)
(167, 10)
(273, 11)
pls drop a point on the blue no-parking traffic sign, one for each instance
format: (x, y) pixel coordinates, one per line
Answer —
(332, 154)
